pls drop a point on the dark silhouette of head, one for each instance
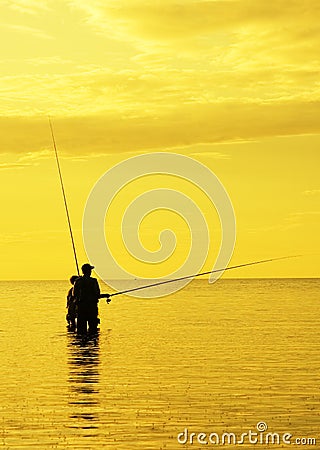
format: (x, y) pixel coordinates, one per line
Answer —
(87, 269)
(73, 279)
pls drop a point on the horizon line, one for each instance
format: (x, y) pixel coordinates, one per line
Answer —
(169, 279)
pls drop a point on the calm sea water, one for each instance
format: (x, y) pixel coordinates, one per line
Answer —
(210, 358)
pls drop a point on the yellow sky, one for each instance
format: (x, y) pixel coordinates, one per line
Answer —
(233, 84)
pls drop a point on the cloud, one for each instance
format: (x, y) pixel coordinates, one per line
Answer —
(183, 126)
(27, 30)
(187, 73)
(24, 237)
(31, 7)
(26, 159)
(311, 192)
(146, 90)
(48, 60)
(192, 22)
(303, 218)
(230, 49)
(293, 220)
(282, 227)
(13, 165)
(211, 155)
(32, 156)
(305, 213)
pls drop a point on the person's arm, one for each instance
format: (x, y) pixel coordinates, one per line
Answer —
(69, 297)
(107, 296)
(76, 289)
(97, 288)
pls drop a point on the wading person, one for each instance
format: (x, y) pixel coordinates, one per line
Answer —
(72, 305)
(87, 293)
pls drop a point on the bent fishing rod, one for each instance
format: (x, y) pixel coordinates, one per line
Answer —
(64, 197)
(108, 296)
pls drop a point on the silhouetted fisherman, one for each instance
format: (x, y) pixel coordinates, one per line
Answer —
(87, 293)
(72, 305)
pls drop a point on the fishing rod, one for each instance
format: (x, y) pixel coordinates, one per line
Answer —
(196, 275)
(64, 197)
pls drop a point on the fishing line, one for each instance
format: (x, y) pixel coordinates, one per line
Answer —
(64, 197)
(198, 275)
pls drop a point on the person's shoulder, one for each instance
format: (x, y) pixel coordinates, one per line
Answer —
(94, 283)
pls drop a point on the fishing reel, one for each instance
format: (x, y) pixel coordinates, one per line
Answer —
(107, 297)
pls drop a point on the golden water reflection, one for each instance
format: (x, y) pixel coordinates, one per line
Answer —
(210, 359)
(84, 377)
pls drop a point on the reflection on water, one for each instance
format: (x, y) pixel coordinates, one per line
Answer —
(83, 362)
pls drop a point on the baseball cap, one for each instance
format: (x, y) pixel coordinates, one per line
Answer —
(87, 266)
